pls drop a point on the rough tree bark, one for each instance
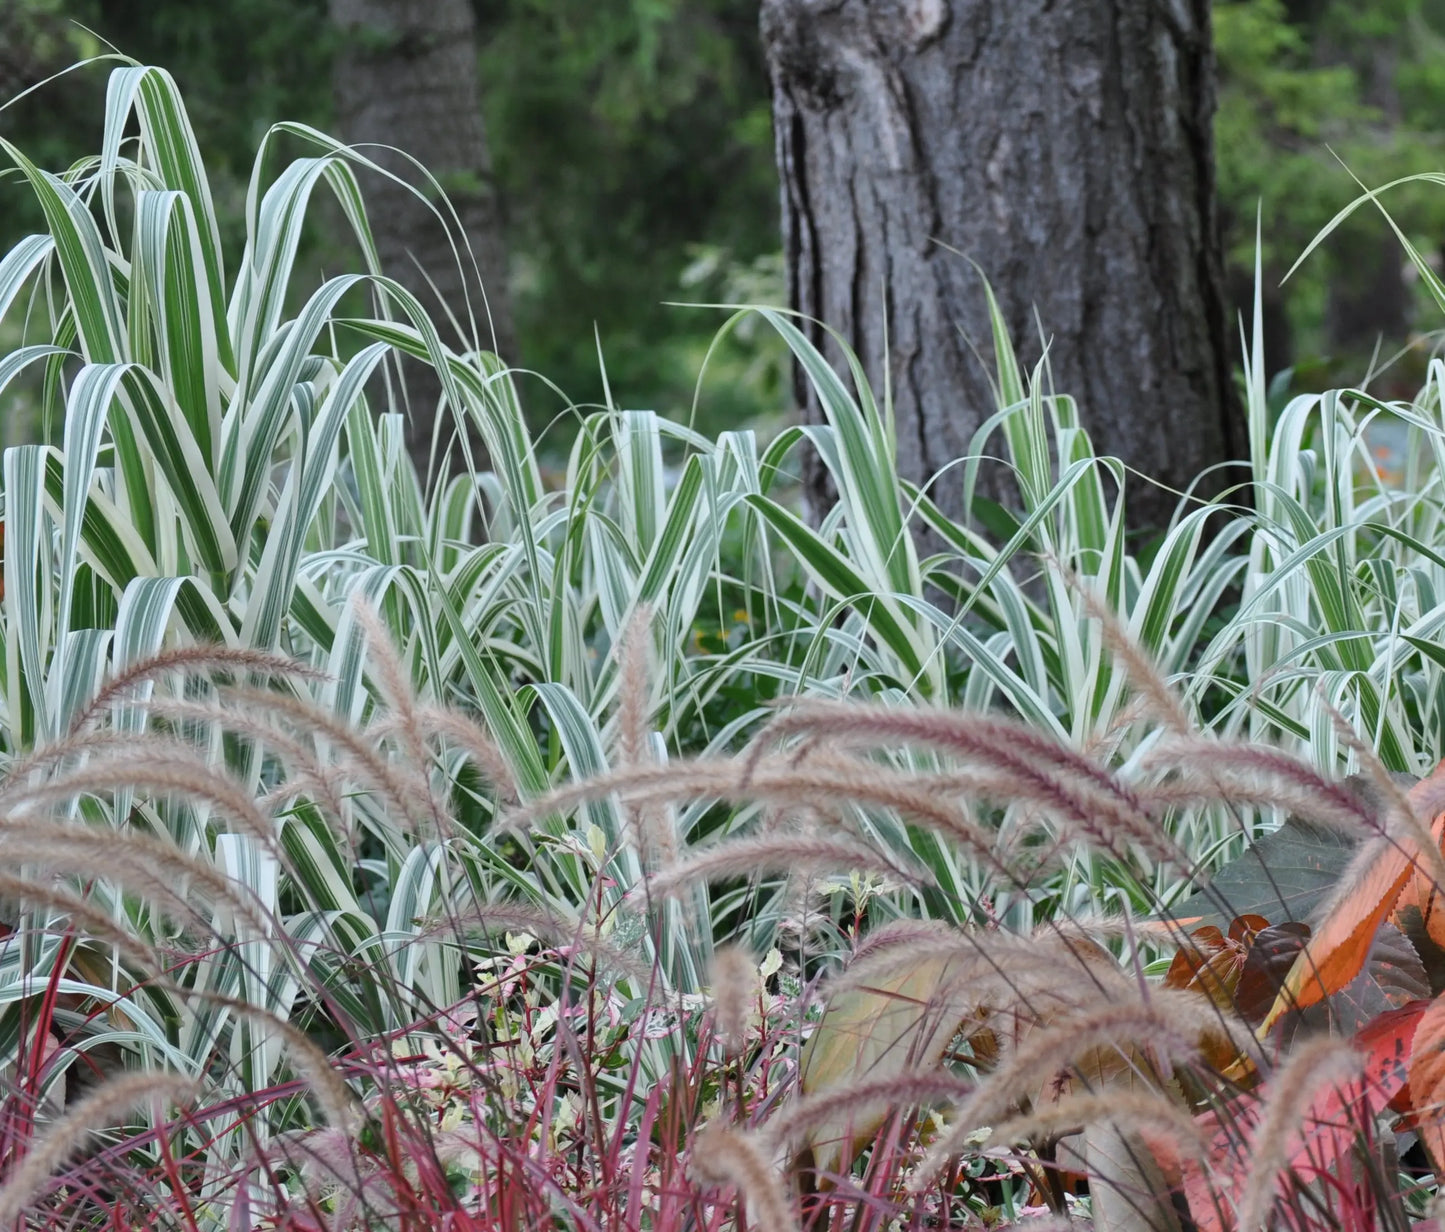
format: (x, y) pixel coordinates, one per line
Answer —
(1064, 145)
(406, 76)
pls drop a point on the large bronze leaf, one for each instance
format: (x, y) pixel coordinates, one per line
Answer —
(1284, 876)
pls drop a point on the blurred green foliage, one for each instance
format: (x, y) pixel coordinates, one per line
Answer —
(1312, 92)
(626, 133)
(632, 143)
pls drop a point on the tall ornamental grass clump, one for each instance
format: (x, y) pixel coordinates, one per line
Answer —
(418, 851)
(1246, 1058)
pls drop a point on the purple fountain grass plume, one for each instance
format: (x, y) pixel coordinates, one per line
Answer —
(1014, 763)
(93, 1114)
(340, 1105)
(1400, 818)
(1059, 962)
(773, 783)
(397, 791)
(397, 692)
(391, 675)
(1156, 695)
(786, 853)
(452, 725)
(735, 991)
(1047, 1223)
(1078, 813)
(998, 742)
(85, 917)
(1249, 789)
(861, 1099)
(306, 772)
(194, 660)
(149, 867)
(79, 744)
(723, 1154)
(827, 777)
(904, 932)
(328, 1160)
(649, 825)
(393, 679)
(1169, 1026)
(557, 930)
(168, 767)
(1314, 1065)
(1234, 769)
(633, 688)
(1150, 1113)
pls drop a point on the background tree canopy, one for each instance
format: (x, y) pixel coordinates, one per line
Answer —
(632, 148)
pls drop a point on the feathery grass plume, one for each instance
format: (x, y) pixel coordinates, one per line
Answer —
(703, 777)
(148, 867)
(656, 835)
(484, 919)
(341, 1106)
(776, 783)
(305, 771)
(1151, 1115)
(858, 783)
(1255, 792)
(94, 1113)
(862, 1099)
(1030, 977)
(994, 740)
(335, 1174)
(77, 744)
(85, 916)
(900, 932)
(633, 689)
(735, 991)
(1156, 695)
(452, 725)
(362, 757)
(787, 853)
(392, 678)
(1314, 1065)
(1017, 763)
(161, 766)
(396, 690)
(1239, 771)
(1076, 811)
(195, 660)
(1168, 1027)
(650, 826)
(1062, 966)
(1050, 1223)
(723, 1155)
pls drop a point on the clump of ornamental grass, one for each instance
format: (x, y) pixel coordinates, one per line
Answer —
(953, 1066)
(1052, 1034)
(460, 1111)
(172, 933)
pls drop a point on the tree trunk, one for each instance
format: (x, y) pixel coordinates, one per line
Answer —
(1066, 147)
(406, 76)
(1369, 300)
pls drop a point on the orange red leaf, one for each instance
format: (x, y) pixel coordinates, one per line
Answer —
(1427, 1081)
(1340, 947)
(1329, 1134)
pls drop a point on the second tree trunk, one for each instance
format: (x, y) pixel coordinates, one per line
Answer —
(406, 76)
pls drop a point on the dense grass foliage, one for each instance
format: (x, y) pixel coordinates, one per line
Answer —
(485, 853)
